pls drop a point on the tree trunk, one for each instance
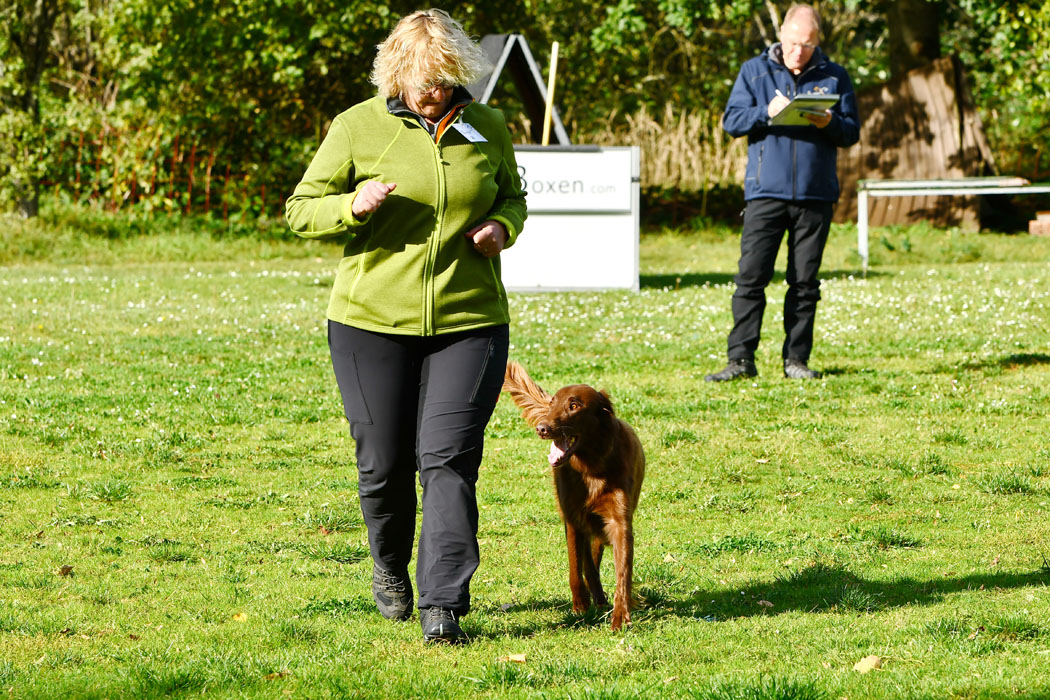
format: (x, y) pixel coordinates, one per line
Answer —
(30, 35)
(28, 200)
(914, 33)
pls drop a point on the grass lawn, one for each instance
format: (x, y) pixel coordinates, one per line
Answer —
(178, 509)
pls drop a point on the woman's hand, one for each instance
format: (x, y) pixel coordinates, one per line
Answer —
(488, 237)
(370, 197)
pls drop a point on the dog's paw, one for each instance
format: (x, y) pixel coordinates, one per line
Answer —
(581, 604)
(620, 619)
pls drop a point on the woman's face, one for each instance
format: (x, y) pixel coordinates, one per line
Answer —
(431, 101)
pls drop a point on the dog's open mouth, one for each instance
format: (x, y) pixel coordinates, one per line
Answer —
(561, 449)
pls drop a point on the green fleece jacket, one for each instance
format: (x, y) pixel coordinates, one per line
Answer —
(408, 268)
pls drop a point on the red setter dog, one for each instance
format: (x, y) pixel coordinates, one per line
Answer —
(598, 465)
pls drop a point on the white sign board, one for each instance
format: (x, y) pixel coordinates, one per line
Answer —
(582, 229)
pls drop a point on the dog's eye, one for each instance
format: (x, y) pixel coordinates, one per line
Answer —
(575, 405)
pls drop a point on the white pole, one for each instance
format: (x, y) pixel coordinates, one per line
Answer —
(862, 226)
(550, 94)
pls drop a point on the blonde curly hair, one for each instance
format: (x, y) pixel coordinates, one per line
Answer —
(426, 48)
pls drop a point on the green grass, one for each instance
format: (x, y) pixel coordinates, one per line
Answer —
(170, 429)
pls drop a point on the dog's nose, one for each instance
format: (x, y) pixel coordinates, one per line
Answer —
(544, 431)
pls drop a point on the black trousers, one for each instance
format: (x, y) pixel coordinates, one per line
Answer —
(765, 220)
(420, 405)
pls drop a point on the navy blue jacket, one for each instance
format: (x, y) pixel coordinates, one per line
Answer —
(791, 162)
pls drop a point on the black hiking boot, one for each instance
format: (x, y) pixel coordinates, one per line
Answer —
(736, 369)
(392, 593)
(797, 369)
(440, 625)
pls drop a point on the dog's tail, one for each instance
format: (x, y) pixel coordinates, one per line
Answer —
(527, 394)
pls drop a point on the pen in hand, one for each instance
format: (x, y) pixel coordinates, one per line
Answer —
(777, 104)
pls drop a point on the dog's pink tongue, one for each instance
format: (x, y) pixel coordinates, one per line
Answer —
(556, 454)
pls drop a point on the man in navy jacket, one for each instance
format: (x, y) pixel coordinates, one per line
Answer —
(790, 185)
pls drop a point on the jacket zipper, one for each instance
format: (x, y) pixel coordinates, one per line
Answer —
(794, 169)
(429, 302)
(432, 245)
(794, 154)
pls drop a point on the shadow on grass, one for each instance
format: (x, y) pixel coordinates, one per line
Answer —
(680, 280)
(825, 588)
(819, 588)
(834, 371)
(1024, 359)
(993, 365)
(594, 617)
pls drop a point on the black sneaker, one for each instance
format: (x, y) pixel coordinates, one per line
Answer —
(736, 369)
(797, 369)
(392, 593)
(440, 625)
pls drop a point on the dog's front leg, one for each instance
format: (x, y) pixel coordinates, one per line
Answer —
(621, 536)
(576, 541)
(591, 567)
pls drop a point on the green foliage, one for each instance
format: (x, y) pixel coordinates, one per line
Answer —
(25, 62)
(1004, 47)
(252, 84)
(22, 144)
(682, 52)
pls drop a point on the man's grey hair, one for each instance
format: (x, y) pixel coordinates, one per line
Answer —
(801, 8)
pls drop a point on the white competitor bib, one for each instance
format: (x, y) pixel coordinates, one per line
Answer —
(469, 133)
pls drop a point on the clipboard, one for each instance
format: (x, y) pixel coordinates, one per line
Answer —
(808, 103)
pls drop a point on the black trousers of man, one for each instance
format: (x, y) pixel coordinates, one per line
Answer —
(765, 220)
(420, 405)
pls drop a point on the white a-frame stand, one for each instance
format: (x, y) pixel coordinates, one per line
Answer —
(511, 52)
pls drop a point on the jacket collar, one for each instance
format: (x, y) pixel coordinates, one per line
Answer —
(457, 102)
(460, 98)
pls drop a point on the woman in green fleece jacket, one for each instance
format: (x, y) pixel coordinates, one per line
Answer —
(421, 183)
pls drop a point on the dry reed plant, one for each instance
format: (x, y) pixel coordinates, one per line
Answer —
(681, 150)
(683, 154)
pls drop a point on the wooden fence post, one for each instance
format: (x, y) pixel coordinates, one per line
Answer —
(98, 165)
(207, 182)
(174, 167)
(189, 179)
(80, 153)
(225, 192)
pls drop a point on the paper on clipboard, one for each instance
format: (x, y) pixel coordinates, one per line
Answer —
(809, 103)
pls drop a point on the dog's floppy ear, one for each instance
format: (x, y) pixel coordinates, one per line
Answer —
(605, 402)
